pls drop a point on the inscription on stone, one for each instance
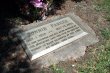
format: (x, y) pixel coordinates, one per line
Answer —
(46, 38)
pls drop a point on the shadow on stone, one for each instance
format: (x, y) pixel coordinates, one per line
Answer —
(76, 1)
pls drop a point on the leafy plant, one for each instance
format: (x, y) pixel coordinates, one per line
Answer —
(99, 62)
(104, 6)
(37, 9)
(56, 69)
(106, 33)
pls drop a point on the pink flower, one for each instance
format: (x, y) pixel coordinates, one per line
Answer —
(39, 4)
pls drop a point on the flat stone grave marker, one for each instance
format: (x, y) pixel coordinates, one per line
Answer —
(46, 38)
(40, 39)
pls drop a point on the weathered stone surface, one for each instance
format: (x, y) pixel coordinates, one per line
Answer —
(68, 34)
(46, 38)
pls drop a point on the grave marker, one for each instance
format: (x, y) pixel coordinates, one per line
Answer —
(49, 37)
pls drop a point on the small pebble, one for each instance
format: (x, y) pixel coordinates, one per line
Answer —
(73, 65)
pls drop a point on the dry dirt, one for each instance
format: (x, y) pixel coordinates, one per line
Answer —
(85, 10)
(16, 59)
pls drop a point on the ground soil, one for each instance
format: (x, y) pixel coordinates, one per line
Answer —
(16, 59)
(85, 10)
